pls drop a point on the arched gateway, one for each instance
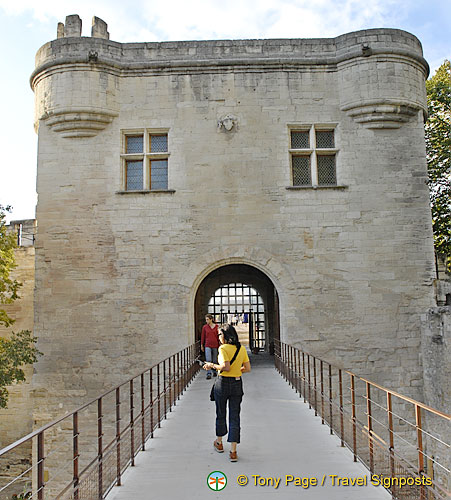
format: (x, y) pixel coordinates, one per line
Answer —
(243, 295)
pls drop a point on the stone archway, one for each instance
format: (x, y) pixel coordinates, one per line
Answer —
(263, 326)
(256, 257)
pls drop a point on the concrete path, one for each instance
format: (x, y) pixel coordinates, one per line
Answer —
(280, 437)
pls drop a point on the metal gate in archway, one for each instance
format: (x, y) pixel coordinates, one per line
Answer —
(241, 304)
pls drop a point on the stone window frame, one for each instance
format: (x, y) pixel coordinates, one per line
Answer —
(146, 156)
(313, 152)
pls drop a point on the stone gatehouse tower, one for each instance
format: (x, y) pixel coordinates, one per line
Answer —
(167, 170)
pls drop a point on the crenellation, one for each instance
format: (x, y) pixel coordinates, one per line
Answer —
(72, 26)
(60, 30)
(99, 28)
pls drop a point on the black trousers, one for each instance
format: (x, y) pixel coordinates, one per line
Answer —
(228, 390)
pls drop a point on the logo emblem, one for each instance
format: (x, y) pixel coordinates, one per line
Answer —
(216, 480)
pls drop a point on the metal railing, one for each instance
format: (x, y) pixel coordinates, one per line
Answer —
(394, 436)
(84, 454)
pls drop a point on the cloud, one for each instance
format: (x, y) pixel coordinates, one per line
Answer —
(212, 19)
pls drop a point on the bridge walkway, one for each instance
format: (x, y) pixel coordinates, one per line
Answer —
(279, 436)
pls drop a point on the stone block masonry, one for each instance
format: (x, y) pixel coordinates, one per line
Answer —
(117, 269)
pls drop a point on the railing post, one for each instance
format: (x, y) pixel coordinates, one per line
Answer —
(282, 355)
(286, 363)
(185, 368)
(132, 427)
(322, 390)
(170, 383)
(303, 377)
(340, 389)
(118, 437)
(41, 484)
(391, 441)
(315, 388)
(370, 425)
(282, 358)
(182, 366)
(290, 368)
(164, 388)
(354, 418)
(190, 357)
(174, 377)
(179, 375)
(75, 454)
(193, 372)
(298, 352)
(159, 395)
(330, 400)
(151, 401)
(174, 384)
(143, 428)
(187, 354)
(420, 449)
(100, 447)
(309, 383)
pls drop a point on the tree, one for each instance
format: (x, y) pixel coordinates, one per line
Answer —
(8, 287)
(438, 149)
(19, 349)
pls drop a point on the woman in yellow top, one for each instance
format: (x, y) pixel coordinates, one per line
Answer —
(229, 388)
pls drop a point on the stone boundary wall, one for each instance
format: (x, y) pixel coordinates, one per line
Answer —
(17, 419)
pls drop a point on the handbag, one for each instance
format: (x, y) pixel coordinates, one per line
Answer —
(212, 392)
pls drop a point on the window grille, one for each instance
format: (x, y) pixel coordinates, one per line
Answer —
(300, 140)
(134, 144)
(326, 170)
(159, 174)
(134, 175)
(158, 143)
(224, 306)
(301, 171)
(325, 139)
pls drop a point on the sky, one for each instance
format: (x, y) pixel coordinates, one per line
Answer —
(25, 25)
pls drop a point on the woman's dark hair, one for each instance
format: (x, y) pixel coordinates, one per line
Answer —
(230, 335)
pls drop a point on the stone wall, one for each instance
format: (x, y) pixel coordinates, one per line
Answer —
(17, 419)
(436, 356)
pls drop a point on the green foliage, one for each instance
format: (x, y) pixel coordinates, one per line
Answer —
(438, 148)
(19, 349)
(15, 352)
(8, 287)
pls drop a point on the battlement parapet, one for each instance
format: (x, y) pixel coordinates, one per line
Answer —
(72, 28)
(379, 73)
(136, 56)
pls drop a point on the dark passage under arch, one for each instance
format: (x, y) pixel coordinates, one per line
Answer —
(243, 292)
